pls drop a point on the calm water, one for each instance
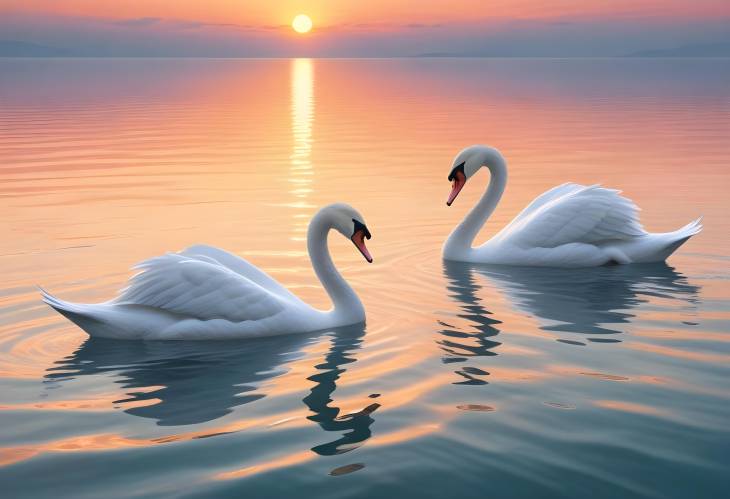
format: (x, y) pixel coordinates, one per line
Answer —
(466, 381)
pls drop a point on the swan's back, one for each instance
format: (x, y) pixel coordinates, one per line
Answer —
(198, 287)
(176, 296)
(573, 213)
(238, 265)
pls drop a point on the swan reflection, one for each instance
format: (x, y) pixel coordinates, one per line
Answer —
(182, 383)
(185, 383)
(475, 339)
(354, 427)
(595, 301)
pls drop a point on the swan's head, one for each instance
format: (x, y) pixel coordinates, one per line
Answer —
(348, 222)
(467, 163)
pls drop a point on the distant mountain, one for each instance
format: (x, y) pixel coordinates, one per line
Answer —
(699, 50)
(14, 48)
(471, 54)
(435, 54)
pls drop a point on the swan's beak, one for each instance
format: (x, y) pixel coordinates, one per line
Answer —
(358, 238)
(458, 180)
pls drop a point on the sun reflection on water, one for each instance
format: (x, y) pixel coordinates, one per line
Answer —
(302, 118)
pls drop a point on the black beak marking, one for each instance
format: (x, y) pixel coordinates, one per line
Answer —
(360, 226)
(459, 168)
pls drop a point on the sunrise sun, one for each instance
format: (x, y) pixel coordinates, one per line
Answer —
(301, 23)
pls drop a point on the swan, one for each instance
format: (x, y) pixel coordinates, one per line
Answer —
(206, 293)
(570, 225)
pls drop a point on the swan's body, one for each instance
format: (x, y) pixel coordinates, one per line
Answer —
(568, 226)
(207, 293)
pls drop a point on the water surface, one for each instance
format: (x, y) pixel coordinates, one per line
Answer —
(467, 381)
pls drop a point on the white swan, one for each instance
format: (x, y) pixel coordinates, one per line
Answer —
(570, 225)
(207, 293)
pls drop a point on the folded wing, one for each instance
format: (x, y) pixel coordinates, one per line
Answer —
(574, 213)
(239, 266)
(201, 288)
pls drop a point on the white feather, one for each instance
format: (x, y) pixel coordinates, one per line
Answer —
(570, 225)
(199, 288)
(206, 293)
(580, 214)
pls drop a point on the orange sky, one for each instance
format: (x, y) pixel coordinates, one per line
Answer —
(372, 28)
(328, 12)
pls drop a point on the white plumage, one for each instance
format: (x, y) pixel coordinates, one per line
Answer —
(207, 293)
(199, 287)
(570, 225)
(575, 213)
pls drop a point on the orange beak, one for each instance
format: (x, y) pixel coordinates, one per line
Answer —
(358, 239)
(458, 182)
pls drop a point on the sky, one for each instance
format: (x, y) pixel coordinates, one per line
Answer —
(372, 28)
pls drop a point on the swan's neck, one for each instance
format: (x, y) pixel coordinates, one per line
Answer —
(460, 241)
(345, 301)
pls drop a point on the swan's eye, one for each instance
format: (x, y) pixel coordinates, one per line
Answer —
(459, 168)
(360, 226)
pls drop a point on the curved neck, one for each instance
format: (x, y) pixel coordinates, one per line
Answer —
(343, 297)
(461, 238)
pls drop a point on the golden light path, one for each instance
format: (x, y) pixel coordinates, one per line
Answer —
(301, 23)
(302, 115)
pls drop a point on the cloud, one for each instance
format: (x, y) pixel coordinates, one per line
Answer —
(386, 26)
(241, 27)
(422, 26)
(138, 21)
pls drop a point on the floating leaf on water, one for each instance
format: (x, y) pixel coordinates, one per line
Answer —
(348, 468)
(475, 407)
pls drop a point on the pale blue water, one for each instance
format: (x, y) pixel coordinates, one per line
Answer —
(467, 381)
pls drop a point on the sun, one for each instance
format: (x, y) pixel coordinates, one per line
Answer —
(301, 23)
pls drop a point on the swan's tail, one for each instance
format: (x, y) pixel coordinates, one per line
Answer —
(80, 314)
(58, 304)
(677, 238)
(689, 230)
